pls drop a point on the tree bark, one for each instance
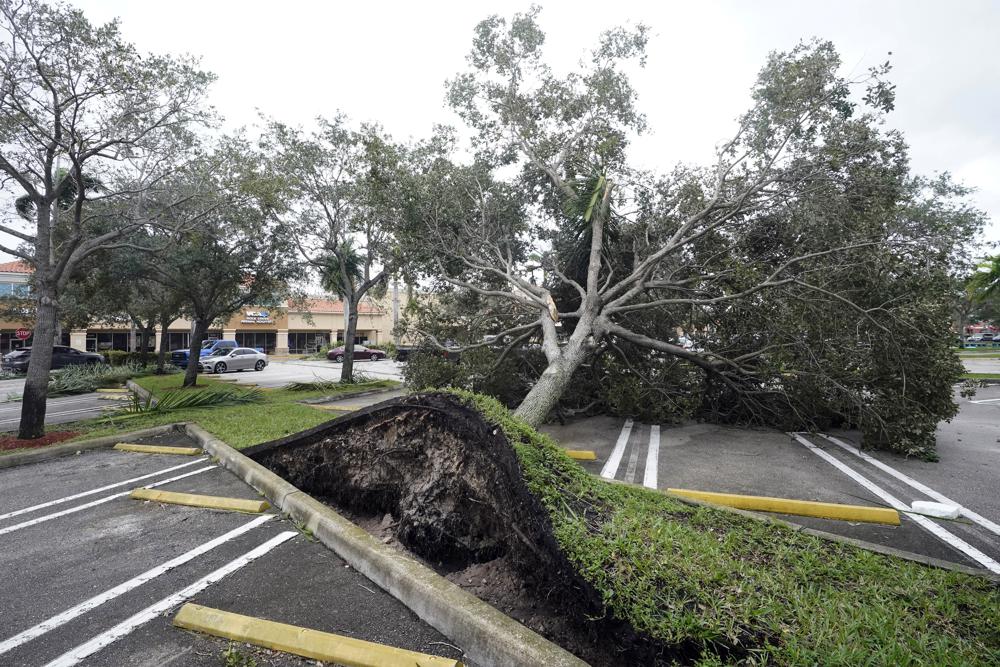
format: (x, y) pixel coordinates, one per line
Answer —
(347, 371)
(144, 335)
(551, 385)
(161, 357)
(194, 352)
(36, 385)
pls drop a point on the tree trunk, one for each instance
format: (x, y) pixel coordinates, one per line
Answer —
(347, 372)
(161, 357)
(550, 386)
(194, 352)
(144, 343)
(36, 385)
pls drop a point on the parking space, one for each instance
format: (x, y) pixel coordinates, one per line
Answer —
(764, 462)
(89, 576)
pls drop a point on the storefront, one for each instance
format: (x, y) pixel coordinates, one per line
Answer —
(307, 342)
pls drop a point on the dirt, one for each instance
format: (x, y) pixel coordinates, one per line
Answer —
(51, 438)
(426, 474)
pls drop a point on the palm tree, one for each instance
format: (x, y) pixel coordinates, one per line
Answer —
(985, 282)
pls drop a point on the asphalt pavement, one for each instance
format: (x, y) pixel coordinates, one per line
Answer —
(280, 373)
(60, 409)
(89, 576)
(765, 462)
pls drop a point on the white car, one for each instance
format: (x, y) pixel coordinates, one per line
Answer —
(239, 359)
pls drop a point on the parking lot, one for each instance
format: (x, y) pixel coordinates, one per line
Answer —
(90, 576)
(810, 467)
(280, 373)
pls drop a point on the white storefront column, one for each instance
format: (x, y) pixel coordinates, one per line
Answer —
(157, 337)
(281, 342)
(229, 334)
(78, 339)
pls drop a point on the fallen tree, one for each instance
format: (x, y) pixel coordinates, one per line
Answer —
(805, 273)
(641, 577)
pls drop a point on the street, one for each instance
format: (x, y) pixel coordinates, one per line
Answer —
(770, 463)
(90, 576)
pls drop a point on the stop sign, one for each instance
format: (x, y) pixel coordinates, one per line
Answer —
(23, 334)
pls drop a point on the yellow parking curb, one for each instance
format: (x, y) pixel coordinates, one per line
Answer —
(322, 646)
(195, 500)
(581, 454)
(116, 397)
(796, 507)
(333, 408)
(157, 449)
(105, 390)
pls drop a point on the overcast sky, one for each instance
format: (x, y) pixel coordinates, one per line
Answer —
(387, 61)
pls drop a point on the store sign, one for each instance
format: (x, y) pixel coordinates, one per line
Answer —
(257, 317)
(23, 334)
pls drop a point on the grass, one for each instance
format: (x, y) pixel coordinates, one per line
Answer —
(278, 413)
(981, 376)
(722, 588)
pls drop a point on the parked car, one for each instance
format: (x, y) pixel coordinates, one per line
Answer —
(62, 357)
(360, 352)
(179, 358)
(225, 359)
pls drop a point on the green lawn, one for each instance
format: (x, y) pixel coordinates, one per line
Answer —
(279, 414)
(981, 376)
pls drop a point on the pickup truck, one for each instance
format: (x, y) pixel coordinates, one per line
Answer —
(179, 358)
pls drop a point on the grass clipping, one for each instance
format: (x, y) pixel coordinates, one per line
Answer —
(712, 587)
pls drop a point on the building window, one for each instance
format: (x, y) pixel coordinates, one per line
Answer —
(264, 340)
(14, 289)
(306, 342)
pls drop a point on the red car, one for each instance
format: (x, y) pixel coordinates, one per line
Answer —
(360, 352)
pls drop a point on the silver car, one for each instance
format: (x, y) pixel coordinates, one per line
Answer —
(239, 359)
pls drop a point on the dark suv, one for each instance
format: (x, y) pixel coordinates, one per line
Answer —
(62, 357)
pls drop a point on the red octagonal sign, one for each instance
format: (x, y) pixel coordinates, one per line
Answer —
(23, 334)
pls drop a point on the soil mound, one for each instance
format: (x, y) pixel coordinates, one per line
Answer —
(451, 482)
(454, 489)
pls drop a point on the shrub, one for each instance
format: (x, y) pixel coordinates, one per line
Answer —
(122, 358)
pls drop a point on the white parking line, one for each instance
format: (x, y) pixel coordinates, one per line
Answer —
(986, 400)
(94, 503)
(110, 594)
(66, 499)
(945, 536)
(923, 488)
(74, 656)
(652, 458)
(610, 468)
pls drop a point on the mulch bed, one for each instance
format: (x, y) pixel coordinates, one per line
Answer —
(11, 442)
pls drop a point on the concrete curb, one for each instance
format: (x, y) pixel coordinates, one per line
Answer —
(345, 397)
(143, 393)
(70, 448)
(488, 636)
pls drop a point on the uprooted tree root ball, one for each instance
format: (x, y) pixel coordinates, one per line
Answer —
(455, 489)
(619, 574)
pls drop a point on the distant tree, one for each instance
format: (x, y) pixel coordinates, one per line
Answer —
(349, 196)
(241, 252)
(83, 118)
(791, 265)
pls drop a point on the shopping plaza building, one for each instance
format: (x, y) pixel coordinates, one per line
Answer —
(292, 329)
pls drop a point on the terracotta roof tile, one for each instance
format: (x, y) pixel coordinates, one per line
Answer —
(17, 266)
